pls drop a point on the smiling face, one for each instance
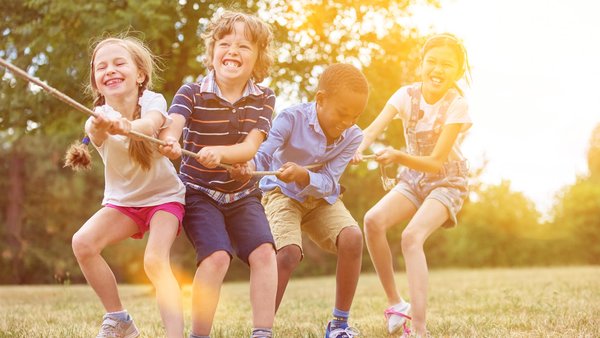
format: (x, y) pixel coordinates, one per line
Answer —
(234, 56)
(115, 73)
(339, 111)
(439, 71)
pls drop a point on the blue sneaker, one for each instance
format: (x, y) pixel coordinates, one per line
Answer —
(341, 332)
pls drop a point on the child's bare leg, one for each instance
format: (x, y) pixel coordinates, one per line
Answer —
(263, 285)
(430, 216)
(350, 245)
(105, 227)
(288, 259)
(206, 290)
(163, 230)
(390, 210)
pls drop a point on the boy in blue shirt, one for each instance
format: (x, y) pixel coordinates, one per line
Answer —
(298, 199)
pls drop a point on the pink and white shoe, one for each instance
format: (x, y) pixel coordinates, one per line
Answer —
(397, 316)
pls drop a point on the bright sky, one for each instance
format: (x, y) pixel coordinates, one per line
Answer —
(535, 94)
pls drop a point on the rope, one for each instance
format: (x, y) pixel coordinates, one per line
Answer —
(78, 106)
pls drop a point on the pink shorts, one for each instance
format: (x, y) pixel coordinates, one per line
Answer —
(142, 215)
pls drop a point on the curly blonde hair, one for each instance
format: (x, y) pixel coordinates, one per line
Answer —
(259, 31)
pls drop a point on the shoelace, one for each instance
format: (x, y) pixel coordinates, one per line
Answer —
(348, 332)
(389, 312)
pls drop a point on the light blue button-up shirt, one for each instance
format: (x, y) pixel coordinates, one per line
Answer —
(296, 136)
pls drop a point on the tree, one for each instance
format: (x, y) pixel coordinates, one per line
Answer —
(577, 212)
(50, 39)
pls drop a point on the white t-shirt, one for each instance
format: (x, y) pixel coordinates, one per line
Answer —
(458, 112)
(126, 183)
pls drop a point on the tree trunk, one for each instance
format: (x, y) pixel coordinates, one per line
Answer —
(14, 212)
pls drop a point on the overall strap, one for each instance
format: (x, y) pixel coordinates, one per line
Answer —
(447, 100)
(414, 92)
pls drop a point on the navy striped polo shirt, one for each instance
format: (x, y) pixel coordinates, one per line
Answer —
(213, 121)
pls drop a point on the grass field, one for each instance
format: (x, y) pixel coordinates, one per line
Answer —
(527, 302)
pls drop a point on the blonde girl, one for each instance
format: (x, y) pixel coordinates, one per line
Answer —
(142, 191)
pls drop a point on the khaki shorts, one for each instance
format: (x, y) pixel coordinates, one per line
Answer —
(322, 221)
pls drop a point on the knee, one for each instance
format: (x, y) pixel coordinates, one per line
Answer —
(217, 263)
(264, 255)
(373, 224)
(411, 240)
(350, 242)
(288, 258)
(155, 265)
(83, 248)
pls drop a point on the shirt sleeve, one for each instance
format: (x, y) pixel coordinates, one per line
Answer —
(458, 113)
(183, 102)
(401, 101)
(264, 120)
(151, 101)
(278, 136)
(325, 182)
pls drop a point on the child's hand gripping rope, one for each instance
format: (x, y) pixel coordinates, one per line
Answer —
(169, 148)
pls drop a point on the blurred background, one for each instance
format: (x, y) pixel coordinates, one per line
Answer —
(534, 147)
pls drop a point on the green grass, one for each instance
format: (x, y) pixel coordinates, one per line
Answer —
(527, 302)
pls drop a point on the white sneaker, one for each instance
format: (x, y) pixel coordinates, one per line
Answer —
(115, 328)
(396, 316)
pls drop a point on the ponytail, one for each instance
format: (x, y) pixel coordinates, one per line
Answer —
(141, 150)
(78, 156)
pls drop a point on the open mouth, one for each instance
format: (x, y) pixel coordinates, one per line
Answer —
(112, 82)
(436, 80)
(231, 63)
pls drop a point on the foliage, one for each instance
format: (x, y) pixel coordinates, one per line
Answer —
(578, 217)
(51, 39)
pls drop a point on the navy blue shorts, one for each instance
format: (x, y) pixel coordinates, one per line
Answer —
(238, 227)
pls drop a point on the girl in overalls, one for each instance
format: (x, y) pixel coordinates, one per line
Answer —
(432, 186)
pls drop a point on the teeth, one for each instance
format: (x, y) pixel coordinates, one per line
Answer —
(113, 81)
(436, 79)
(230, 63)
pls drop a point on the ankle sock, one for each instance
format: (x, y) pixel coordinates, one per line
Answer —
(260, 332)
(120, 315)
(340, 319)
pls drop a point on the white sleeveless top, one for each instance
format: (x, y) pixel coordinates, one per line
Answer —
(126, 183)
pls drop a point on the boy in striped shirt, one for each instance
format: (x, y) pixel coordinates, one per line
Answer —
(224, 117)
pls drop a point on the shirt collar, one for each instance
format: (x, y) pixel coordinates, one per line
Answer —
(208, 84)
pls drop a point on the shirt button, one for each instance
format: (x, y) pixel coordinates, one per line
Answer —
(233, 110)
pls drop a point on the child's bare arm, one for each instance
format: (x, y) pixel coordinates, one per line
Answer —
(212, 156)
(432, 163)
(375, 129)
(97, 128)
(171, 135)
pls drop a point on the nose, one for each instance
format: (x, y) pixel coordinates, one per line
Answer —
(110, 69)
(233, 49)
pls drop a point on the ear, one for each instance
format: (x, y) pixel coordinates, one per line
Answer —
(140, 78)
(320, 98)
